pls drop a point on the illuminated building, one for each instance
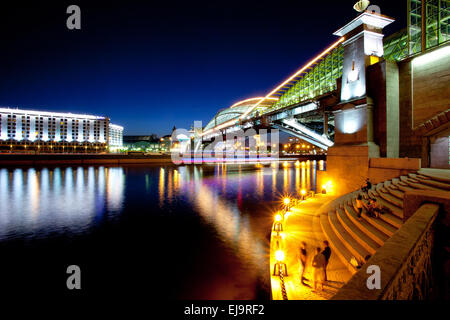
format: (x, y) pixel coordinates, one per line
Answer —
(42, 131)
(115, 136)
(150, 143)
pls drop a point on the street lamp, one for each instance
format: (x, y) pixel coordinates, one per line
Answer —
(278, 217)
(280, 266)
(303, 193)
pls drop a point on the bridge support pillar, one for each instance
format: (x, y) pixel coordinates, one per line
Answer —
(325, 124)
(348, 159)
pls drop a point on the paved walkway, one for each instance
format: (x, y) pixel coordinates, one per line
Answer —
(303, 224)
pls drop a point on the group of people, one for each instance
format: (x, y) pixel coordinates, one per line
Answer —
(319, 264)
(374, 208)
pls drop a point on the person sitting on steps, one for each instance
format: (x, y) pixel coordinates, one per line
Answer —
(359, 205)
(367, 187)
(375, 209)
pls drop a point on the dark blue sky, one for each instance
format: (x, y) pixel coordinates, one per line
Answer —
(150, 65)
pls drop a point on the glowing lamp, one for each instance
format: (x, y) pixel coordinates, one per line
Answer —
(279, 256)
(278, 218)
(297, 164)
(286, 201)
(303, 192)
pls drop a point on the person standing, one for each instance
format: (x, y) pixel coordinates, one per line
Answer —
(327, 254)
(318, 265)
(302, 260)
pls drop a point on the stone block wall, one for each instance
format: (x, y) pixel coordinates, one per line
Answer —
(424, 93)
(431, 89)
(382, 169)
(347, 168)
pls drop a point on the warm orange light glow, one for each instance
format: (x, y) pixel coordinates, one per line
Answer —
(285, 164)
(297, 163)
(286, 201)
(278, 218)
(328, 187)
(303, 192)
(279, 255)
(309, 64)
(251, 99)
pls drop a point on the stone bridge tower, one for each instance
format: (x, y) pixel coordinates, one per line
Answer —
(348, 159)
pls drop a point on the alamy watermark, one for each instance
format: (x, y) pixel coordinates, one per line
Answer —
(73, 22)
(74, 279)
(233, 145)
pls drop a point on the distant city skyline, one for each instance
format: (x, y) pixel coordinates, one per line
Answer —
(151, 66)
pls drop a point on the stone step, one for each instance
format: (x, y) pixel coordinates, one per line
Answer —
(395, 210)
(432, 183)
(393, 200)
(359, 235)
(389, 184)
(422, 177)
(404, 179)
(411, 176)
(401, 185)
(412, 183)
(392, 219)
(371, 231)
(435, 177)
(398, 182)
(373, 192)
(380, 224)
(421, 186)
(380, 187)
(336, 244)
(396, 192)
(350, 243)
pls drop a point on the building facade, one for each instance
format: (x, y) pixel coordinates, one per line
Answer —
(32, 131)
(115, 137)
(150, 143)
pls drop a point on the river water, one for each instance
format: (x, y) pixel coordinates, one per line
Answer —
(187, 232)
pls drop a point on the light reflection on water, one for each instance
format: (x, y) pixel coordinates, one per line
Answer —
(37, 202)
(231, 205)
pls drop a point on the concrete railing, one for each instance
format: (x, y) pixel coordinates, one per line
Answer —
(404, 263)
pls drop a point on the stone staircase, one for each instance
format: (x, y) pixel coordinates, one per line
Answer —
(352, 237)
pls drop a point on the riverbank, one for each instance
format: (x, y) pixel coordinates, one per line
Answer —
(303, 224)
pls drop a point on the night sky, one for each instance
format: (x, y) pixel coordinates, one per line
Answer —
(150, 65)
